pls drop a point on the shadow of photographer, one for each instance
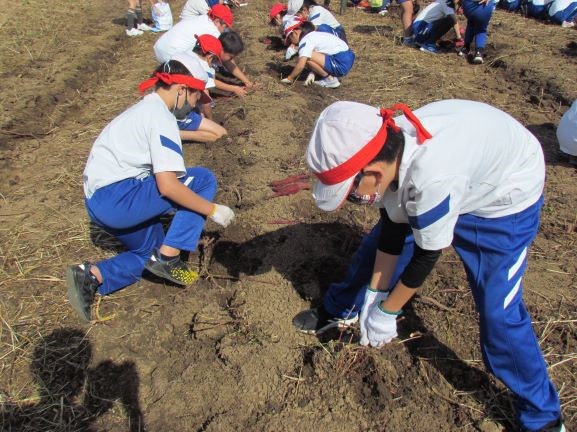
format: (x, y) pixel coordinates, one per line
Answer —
(71, 394)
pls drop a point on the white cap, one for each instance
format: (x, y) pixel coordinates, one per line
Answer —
(340, 132)
(192, 63)
(291, 23)
(294, 6)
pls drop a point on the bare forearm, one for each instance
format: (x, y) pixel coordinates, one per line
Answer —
(400, 295)
(183, 196)
(237, 72)
(199, 136)
(383, 270)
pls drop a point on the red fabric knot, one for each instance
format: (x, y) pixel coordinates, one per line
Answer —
(387, 114)
(167, 78)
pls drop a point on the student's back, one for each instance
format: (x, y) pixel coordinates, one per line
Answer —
(181, 37)
(325, 43)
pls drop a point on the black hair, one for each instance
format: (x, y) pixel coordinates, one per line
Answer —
(306, 27)
(173, 67)
(231, 42)
(308, 3)
(392, 149)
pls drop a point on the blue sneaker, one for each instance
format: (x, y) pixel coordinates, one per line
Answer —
(430, 48)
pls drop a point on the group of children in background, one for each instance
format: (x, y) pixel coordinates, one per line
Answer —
(561, 12)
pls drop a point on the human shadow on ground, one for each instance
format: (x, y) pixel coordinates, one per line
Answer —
(310, 257)
(463, 377)
(61, 370)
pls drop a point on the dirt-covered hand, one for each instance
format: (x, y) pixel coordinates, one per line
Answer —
(459, 43)
(372, 299)
(381, 327)
(222, 215)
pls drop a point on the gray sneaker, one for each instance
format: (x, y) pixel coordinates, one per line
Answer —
(82, 287)
(174, 270)
(317, 320)
(328, 82)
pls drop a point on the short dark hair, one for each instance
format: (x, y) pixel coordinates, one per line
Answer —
(173, 67)
(231, 42)
(306, 27)
(308, 3)
(392, 149)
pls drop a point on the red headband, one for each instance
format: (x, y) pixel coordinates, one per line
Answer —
(294, 26)
(359, 160)
(167, 78)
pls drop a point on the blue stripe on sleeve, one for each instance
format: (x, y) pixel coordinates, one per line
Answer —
(314, 17)
(168, 143)
(430, 217)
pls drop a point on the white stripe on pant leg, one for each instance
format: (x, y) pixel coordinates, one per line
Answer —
(515, 268)
(512, 293)
(188, 180)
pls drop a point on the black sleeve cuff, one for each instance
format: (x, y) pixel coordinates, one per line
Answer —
(419, 267)
(392, 236)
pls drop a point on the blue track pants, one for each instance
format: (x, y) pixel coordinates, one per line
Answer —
(478, 17)
(130, 210)
(494, 253)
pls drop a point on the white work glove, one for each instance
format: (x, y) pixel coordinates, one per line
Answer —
(381, 327)
(310, 79)
(372, 299)
(286, 81)
(222, 215)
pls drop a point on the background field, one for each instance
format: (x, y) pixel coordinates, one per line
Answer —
(222, 354)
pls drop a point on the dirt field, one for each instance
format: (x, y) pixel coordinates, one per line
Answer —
(222, 355)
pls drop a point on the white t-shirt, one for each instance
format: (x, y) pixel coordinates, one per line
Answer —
(141, 141)
(480, 161)
(559, 6)
(319, 15)
(325, 43)
(180, 38)
(209, 71)
(194, 8)
(435, 11)
(567, 131)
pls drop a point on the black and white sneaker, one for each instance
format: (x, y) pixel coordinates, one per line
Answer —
(82, 286)
(175, 270)
(317, 320)
(478, 58)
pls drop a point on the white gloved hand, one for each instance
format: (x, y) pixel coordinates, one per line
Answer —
(310, 79)
(286, 81)
(381, 327)
(372, 299)
(222, 215)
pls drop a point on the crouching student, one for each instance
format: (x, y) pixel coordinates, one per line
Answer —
(536, 8)
(439, 181)
(327, 56)
(563, 12)
(433, 22)
(275, 15)
(135, 174)
(567, 133)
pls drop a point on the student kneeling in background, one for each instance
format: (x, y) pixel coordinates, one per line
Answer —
(324, 54)
(433, 22)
